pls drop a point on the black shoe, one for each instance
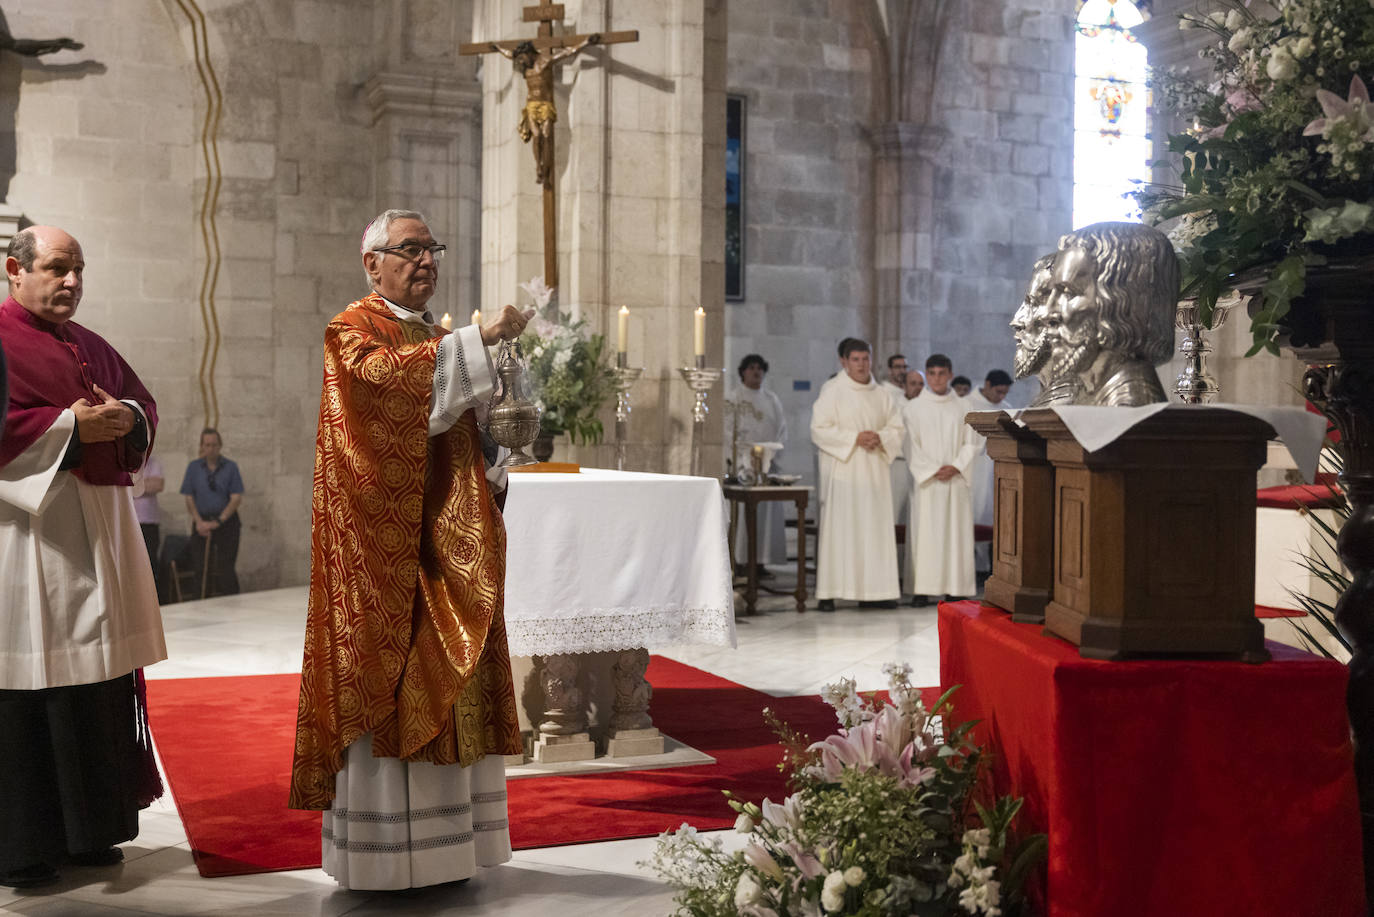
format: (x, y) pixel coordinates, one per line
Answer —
(953, 598)
(919, 601)
(882, 603)
(825, 605)
(30, 876)
(107, 857)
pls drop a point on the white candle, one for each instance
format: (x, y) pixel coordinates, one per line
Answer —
(699, 332)
(622, 330)
(477, 316)
(446, 322)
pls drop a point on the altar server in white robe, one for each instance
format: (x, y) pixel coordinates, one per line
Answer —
(990, 397)
(895, 385)
(858, 431)
(940, 448)
(758, 417)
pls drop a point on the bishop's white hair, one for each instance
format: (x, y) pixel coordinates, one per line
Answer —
(378, 232)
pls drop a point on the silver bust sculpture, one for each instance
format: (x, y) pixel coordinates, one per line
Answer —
(1110, 314)
(1033, 346)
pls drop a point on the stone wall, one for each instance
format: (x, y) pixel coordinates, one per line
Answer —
(905, 165)
(324, 112)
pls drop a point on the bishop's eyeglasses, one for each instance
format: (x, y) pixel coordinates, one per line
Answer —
(412, 251)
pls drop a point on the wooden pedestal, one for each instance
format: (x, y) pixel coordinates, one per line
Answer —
(1023, 517)
(1154, 536)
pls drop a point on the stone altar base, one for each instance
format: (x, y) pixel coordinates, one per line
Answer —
(559, 749)
(627, 742)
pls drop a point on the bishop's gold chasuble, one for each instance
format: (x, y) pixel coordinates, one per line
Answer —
(405, 636)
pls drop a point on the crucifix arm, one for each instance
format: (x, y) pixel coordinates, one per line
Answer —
(507, 53)
(561, 53)
(33, 47)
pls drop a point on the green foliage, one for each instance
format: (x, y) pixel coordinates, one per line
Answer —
(569, 375)
(883, 822)
(1275, 177)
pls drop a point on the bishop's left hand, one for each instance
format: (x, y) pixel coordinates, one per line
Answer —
(507, 325)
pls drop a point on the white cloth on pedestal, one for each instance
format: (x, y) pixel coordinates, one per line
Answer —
(758, 418)
(406, 824)
(940, 535)
(74, 575)
(854, 561)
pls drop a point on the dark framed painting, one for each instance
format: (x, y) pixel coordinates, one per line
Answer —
(734, 198)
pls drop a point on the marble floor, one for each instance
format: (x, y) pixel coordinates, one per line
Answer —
(780, 652)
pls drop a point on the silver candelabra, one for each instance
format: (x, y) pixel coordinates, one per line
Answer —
(699, 379)
(625, 376)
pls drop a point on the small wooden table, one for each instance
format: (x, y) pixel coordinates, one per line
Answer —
(750, 498)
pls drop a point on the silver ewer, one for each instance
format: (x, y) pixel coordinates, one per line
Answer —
(699, 379)
(513, 420)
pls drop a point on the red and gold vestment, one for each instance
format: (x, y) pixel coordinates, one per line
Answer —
(405, 636)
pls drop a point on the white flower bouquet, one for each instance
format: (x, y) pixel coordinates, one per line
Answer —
(882, 822)
(1277, 170)
(567, 367)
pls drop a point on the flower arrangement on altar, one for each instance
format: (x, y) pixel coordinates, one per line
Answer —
(1278, 167)
(881, 822)
(567, 367)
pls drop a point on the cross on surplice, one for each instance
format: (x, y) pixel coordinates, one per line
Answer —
(536, 59)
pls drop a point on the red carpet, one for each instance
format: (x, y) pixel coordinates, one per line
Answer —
(226, 746)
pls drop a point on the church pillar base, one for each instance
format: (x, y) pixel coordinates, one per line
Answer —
(560, 749)
(630, 742)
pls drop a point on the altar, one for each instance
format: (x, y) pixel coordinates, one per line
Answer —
(601, 567)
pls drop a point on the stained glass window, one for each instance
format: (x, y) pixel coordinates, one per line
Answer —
(1111, 146)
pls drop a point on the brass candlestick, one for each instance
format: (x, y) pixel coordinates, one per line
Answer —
(699, 379)
(513, 421)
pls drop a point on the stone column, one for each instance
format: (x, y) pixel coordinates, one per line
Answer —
(426, 115)
(640, 180)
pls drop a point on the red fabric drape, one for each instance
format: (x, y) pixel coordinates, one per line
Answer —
(1174, 787)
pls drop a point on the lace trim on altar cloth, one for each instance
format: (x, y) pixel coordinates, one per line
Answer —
(594, 630)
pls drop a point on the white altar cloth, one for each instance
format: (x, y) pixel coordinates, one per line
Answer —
(614, 560)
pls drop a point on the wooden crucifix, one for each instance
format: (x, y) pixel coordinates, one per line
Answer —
(536, 59)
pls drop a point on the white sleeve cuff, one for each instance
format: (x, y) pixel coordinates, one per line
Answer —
(463, 377)
(27, 482)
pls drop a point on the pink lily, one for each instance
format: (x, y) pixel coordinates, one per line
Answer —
(809, 866)
(763, 861)
(1356, 107)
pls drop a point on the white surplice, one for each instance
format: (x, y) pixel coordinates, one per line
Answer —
(940, 533)
(81, 604)
(898, 471)
(981, 476)
(759, 420)
(854, 561)
(406, 824)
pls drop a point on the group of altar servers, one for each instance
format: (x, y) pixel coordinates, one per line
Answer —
(890, 452)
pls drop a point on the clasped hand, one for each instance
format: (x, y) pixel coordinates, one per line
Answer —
(869, 440)
(507, 325)
(104, 422)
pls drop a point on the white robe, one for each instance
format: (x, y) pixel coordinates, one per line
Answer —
(981, 475)
(854, 562)
(940, 534)
(898, 470)
(400, 824)
(765, 423)
(78, 592)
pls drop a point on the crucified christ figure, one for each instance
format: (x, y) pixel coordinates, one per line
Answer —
(538, 116)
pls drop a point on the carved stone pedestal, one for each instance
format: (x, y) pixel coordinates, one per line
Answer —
(558, 749)
(632, 730)
(1154, 536)
(1023, 517)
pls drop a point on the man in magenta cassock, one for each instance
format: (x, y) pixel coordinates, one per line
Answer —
(78, 608)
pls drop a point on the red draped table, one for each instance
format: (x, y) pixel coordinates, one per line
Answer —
(1173, 787)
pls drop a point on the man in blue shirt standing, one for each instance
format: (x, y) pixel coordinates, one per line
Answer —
(214, 492)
